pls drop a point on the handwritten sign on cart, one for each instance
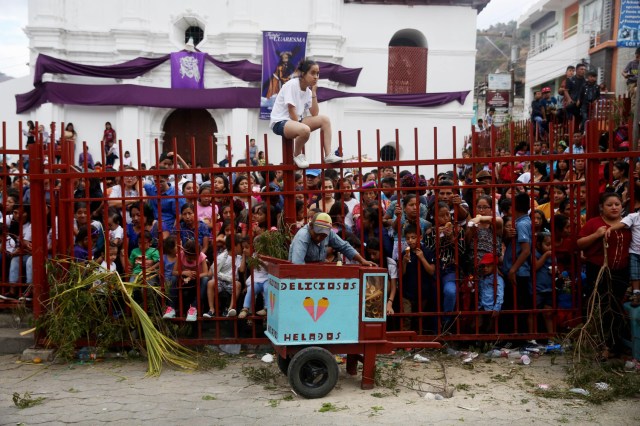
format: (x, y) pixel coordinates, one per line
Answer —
(313, 310)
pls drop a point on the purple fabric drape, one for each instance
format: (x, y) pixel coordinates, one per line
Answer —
(243, 69)
(411, 99)
(339, 74)
(127, 94)
(232, 97)
(187, 70)
(130, 69)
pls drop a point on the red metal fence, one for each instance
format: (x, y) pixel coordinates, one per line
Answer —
(443, 306)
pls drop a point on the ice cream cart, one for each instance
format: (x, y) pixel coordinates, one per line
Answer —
(318, 310)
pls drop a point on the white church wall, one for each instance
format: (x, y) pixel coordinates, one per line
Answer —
(354, 35)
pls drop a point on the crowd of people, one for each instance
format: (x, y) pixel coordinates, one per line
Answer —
(507, 236)
(508, 239)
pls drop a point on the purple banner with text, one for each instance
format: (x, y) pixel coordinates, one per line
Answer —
(281, 53)
(187, 70)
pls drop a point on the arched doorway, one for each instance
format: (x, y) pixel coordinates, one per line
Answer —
(185, 124)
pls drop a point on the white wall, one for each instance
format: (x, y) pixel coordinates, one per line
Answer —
(355, 35)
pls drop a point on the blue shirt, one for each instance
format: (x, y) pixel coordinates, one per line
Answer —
(486, 299)
(185, 233)
(303, 249)
(523, 235)
(544, 281)
(167, 205)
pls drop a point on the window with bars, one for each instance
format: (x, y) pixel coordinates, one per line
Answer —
(407, 63)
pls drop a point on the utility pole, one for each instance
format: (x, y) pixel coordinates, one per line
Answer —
(513, 59)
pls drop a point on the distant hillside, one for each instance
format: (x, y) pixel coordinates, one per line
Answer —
(489, 59)
(4, 77)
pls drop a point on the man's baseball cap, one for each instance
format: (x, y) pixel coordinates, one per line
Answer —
(546, 90)
(322, 223)
(312, 172)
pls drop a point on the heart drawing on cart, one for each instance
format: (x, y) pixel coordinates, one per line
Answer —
(310, 306)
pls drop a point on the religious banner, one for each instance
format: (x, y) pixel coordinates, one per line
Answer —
(281, 53)
(187, 70)
(629, 24)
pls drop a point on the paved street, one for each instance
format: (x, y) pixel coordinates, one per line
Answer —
(116, 392)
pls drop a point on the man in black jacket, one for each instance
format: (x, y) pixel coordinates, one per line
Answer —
(573, 90)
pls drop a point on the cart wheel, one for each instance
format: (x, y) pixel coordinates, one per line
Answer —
(313, 372)
(283, 364)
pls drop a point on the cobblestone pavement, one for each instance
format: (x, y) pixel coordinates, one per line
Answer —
(117, 392)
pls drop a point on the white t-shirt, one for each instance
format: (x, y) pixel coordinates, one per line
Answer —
(290, 94)
(117, 233)
(633, 222)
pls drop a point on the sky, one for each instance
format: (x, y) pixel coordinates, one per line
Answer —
(14, 53)
(503, 11)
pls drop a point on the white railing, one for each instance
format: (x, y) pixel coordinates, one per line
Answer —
(584, 28)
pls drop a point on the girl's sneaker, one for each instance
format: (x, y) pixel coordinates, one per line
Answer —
(169, 313)
(209, 314)
(192, 314)
(262, 312)
(232, 313)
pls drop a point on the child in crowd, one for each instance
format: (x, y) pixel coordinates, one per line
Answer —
(206, 211)
(192, 228)
(191, 275)
(228, 274)
(255, 286)
(418, 268)
(516, 263)
(127, 161)
(263, 218)
(116, 232)
(81, 219)
(81, 247)
(144, 258)
(188, 189)
(110, 256)
(220, 188)
(491, 288)
(544, 280)
(631, 221)
(443, 241)
(21, 261)
(169, 259)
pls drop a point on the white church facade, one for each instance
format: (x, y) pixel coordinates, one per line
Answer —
(351, 33)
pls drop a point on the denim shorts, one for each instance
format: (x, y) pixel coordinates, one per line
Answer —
(544, 298)
(634, 267)
(278, 128)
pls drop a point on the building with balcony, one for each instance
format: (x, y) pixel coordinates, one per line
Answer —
(567, 32)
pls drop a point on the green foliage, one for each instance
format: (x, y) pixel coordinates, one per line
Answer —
(80, 307)
(260, 375)
(88, 303)
(25, 401)
(273, 243)
(329, 407)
